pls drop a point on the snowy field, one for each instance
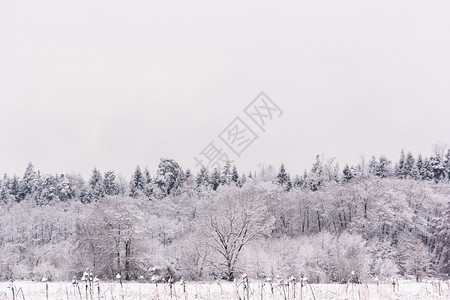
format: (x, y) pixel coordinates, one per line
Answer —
(223, 290)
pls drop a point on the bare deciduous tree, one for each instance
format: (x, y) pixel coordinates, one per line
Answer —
(231, 220)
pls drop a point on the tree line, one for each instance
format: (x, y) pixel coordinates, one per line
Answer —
(373, 219)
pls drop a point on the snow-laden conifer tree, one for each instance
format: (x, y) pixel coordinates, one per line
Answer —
(110, 184)
(215, 179)
(166, 176)
(137, 183)
(226, 174)
(28, 184)
(96, 190)
(400, 169)
(283, 179)
(234, 176)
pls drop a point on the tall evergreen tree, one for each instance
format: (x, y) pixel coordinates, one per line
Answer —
(400, 166)
(64, 188)
(148, 183)
(5, 196)
(242, 180)
(28, 184)
(47, 190)
(283, 179)
(202, 179)
(372, 165)
(13, 187)
(109, 183)
(166, 175)
(79, 187)
(215, 179)
(438, 168)
(226, 175)
(315, 177)
(420, 167)
(334, 175)
(349, 173)
(410, 166)
(447, 163)
(297, 182)
(382, 168)
(96, 190)
(180, 181)
(137, 183)
(235, 176)
(427, 170)
(147, 176)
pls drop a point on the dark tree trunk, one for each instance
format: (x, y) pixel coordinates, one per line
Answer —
(127, 259)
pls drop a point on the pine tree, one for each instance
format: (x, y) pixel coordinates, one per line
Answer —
(79, 187)
(400, 166)
(64, 188)
(180, 181)
(283, 179)
(137, 183)
(148, 183)
(110, 184)
(382, 169)
(189, 185)
(447, 163)
(334, 176)
(414, 174)
(348, 173)
(410, 166)
(427, 170)
(28, 184)
(215, 179)
(315, 177)
(420, 167)
(288, 185)
(147, 176)
(47, 191)
(166, 176)
(241, 180)
(96, 190)
(360, 170)
(372, 165)
(226, 175)
(298, 182)
(5, 197)
(235, 176)
(13, 187)
(202, 179)
(438, 168)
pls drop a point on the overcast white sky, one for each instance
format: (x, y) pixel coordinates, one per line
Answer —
(113, 84)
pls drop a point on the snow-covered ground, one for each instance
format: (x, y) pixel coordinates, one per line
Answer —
(224, 290)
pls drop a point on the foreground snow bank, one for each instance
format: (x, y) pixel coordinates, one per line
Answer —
(223, 290)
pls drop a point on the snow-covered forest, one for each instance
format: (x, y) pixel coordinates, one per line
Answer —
(379, 218)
